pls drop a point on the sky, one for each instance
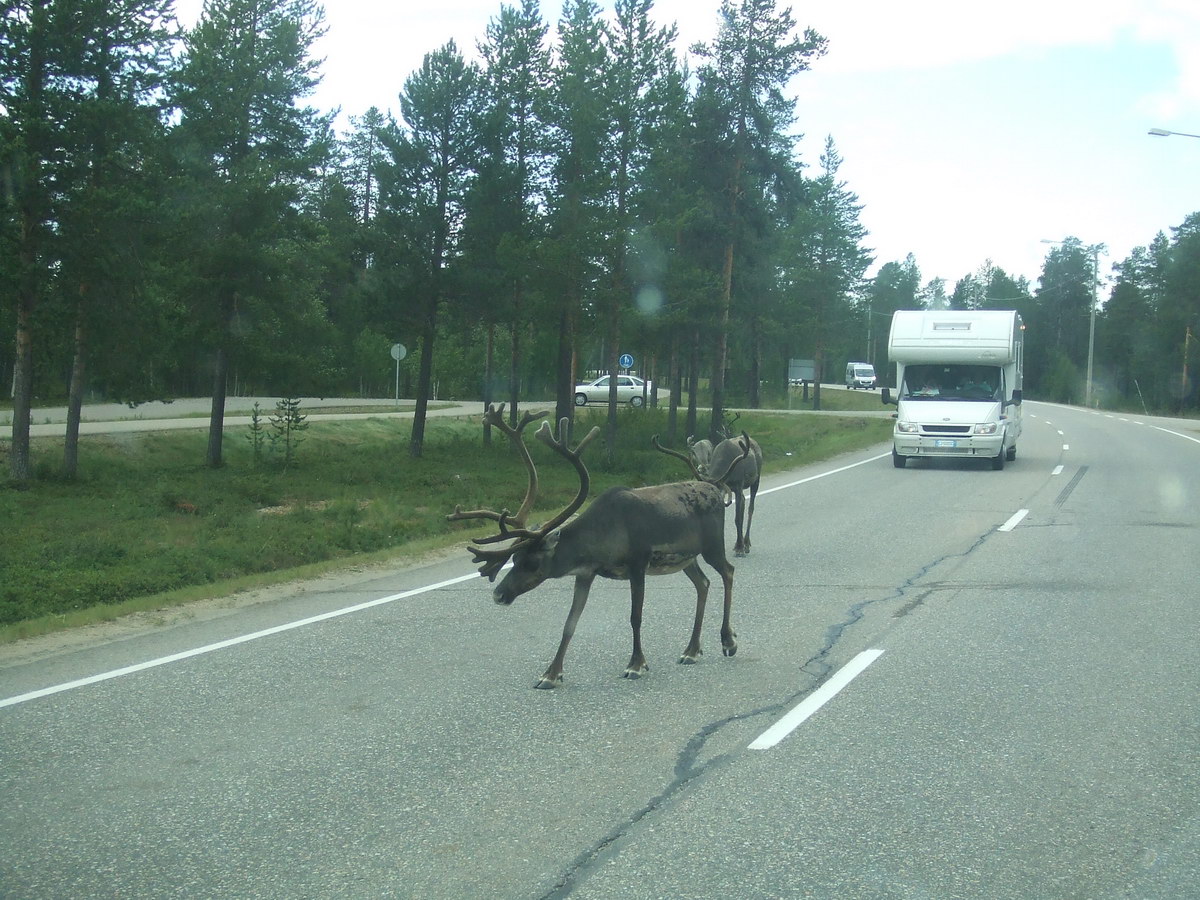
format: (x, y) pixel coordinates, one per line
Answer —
(971, 131)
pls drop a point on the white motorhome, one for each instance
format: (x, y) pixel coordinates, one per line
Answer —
(958, 384)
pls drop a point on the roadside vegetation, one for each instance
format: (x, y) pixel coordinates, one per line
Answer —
(144, 525)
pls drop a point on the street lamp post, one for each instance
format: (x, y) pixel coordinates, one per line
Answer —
(1162, 132)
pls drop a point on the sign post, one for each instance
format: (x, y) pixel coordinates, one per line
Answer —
(398, 353)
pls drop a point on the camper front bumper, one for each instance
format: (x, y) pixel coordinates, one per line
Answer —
(915, 439)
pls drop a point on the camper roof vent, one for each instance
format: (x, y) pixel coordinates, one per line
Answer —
(951, 326)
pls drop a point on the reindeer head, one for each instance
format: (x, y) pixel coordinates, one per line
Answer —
(701, 470)
(531, 549)
(700, 451)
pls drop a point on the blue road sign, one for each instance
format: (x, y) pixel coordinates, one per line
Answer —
(626, 360)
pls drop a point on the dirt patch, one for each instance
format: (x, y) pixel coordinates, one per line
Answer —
(311, 505)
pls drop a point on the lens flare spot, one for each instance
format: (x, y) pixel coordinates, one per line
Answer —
(1172, 494)
(649, 299)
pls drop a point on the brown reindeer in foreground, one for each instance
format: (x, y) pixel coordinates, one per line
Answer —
(740, 459)
(624, 534)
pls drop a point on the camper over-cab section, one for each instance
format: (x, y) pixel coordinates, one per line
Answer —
(958, 377)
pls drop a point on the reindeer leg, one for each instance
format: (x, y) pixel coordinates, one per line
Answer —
(553, 677)
(740, 546)
(716, 558)
(700, 580)
(749, 517)
(728, 637)
(637, 591)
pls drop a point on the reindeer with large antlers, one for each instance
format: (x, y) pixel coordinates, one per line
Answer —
(624, 534)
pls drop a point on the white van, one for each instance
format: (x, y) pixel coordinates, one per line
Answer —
(860, 375)
(958, 384)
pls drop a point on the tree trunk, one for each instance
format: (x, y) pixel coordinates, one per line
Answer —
(424, 383)
(716, 426)
(673, 380)
(564, 374)
(693, 381)
(614, 358)
(19, 462)
(514, 366)
(489, 362)
(818, 364)
(216, 418)
(75, 391)
(755, 393)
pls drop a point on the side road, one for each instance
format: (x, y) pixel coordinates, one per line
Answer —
(101, 418)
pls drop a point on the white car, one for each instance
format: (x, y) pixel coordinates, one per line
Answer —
(630, 390)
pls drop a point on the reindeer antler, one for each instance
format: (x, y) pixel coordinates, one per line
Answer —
(495, 417)
(559, 446)
(685, 457)
(494, 560)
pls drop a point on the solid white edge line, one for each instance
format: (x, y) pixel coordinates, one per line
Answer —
(792, 484)
(231, 642)
(1176, 433)
(814, 701)
(1014, 520)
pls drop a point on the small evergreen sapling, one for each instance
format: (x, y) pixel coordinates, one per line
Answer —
(287, 423)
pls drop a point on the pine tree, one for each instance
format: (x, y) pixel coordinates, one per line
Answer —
(247, 149)
(425, 185)
(752, 60)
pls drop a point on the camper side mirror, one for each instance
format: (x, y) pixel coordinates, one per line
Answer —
(886, 396)
(1016, 398)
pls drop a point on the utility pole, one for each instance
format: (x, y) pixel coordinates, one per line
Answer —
(1183, 379)
(1092, 325)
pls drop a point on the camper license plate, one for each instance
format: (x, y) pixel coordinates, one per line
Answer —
(945, 443)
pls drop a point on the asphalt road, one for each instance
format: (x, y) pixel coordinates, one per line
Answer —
(1021, 721)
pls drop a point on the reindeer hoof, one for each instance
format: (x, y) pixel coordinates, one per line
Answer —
(739, 551)
(631, 672)
(730, 650)
(690, 657)
(548, 684)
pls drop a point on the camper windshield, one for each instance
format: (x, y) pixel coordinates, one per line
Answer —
(951, 382)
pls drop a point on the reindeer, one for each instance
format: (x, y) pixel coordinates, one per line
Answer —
(624, 534)
(741, 460)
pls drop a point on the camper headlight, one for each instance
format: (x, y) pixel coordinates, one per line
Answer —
(907, 427)
(986, 428)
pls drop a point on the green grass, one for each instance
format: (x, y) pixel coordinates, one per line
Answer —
(146, 525)
(838, 400)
